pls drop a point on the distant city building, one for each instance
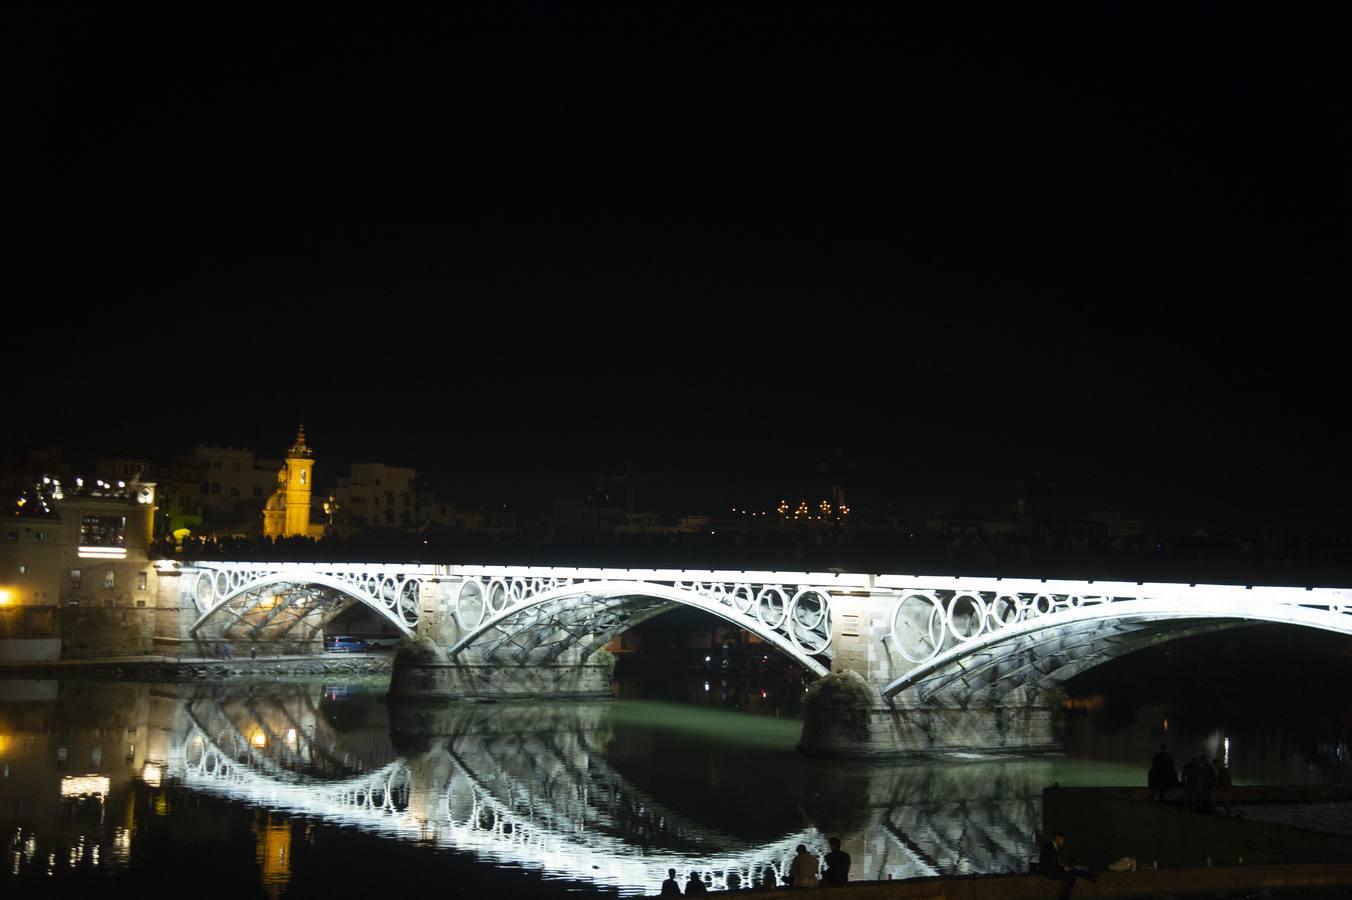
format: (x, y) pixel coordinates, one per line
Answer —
(287, 511)
(230, 479)
(587, 517)
(377, 494)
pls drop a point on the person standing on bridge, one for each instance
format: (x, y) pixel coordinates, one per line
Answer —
(837, 864)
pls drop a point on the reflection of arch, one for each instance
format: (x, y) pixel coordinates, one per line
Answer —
(540, 627)
(532, 788)
(532, 823)
(297, 743)
(397, 602)
(1061, 639)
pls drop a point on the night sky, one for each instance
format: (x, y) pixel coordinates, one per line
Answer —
(1100, 246)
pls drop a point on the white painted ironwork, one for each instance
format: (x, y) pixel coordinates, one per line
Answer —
(237, 590)
(938, 624)
(524, 615)
(528, 617)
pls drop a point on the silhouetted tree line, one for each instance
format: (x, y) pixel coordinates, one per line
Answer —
(1233, 559)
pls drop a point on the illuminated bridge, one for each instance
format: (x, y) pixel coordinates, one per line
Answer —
(942, 662)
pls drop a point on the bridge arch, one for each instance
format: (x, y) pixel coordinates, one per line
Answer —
(541, 626)
(243, 593)
(1054, 637)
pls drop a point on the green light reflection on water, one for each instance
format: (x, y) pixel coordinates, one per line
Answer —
(726, 726)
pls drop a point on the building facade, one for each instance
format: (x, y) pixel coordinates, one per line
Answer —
(75, 574)
(377, 494)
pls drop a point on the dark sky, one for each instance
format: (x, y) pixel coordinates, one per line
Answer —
(1102, 243)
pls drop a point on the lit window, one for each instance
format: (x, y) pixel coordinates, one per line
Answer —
(103, 531)
(108, 580)
(140, 581)
(303, 475)
(75, 577)
(39, 536)
(23, 569)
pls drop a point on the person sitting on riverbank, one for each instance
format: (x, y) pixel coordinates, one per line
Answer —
(695, 886)
(769, 880)
(1050, 865)
(671, 887)
(1162, 774)
(803, 872)
(837, 864)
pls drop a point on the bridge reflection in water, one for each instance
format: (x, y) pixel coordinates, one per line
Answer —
(531, 787)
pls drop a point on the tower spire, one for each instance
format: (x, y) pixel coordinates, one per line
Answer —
(299, 448)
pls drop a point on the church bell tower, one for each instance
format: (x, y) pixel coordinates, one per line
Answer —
(299, 462)
(287, 512)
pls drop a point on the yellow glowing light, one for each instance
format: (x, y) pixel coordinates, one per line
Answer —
(79, 785)
(152, 774)
(258, 738)
(268, 602)
(5, 597)
(4, 743)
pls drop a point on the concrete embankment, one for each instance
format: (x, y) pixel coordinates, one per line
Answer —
(1106, 823)
(165, 668)
(1299, 880)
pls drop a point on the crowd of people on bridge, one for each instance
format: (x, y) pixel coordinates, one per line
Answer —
(1224, 559)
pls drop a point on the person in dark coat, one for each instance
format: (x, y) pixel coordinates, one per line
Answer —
(695, 885)
(1192, 783)
(1051, 865)
(671, 887)
(837, 864)
(1223, 794)
(1162, 774)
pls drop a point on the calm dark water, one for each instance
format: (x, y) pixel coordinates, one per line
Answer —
(325, 790)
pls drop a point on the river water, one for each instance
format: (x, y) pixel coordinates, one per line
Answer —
(299, 789)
